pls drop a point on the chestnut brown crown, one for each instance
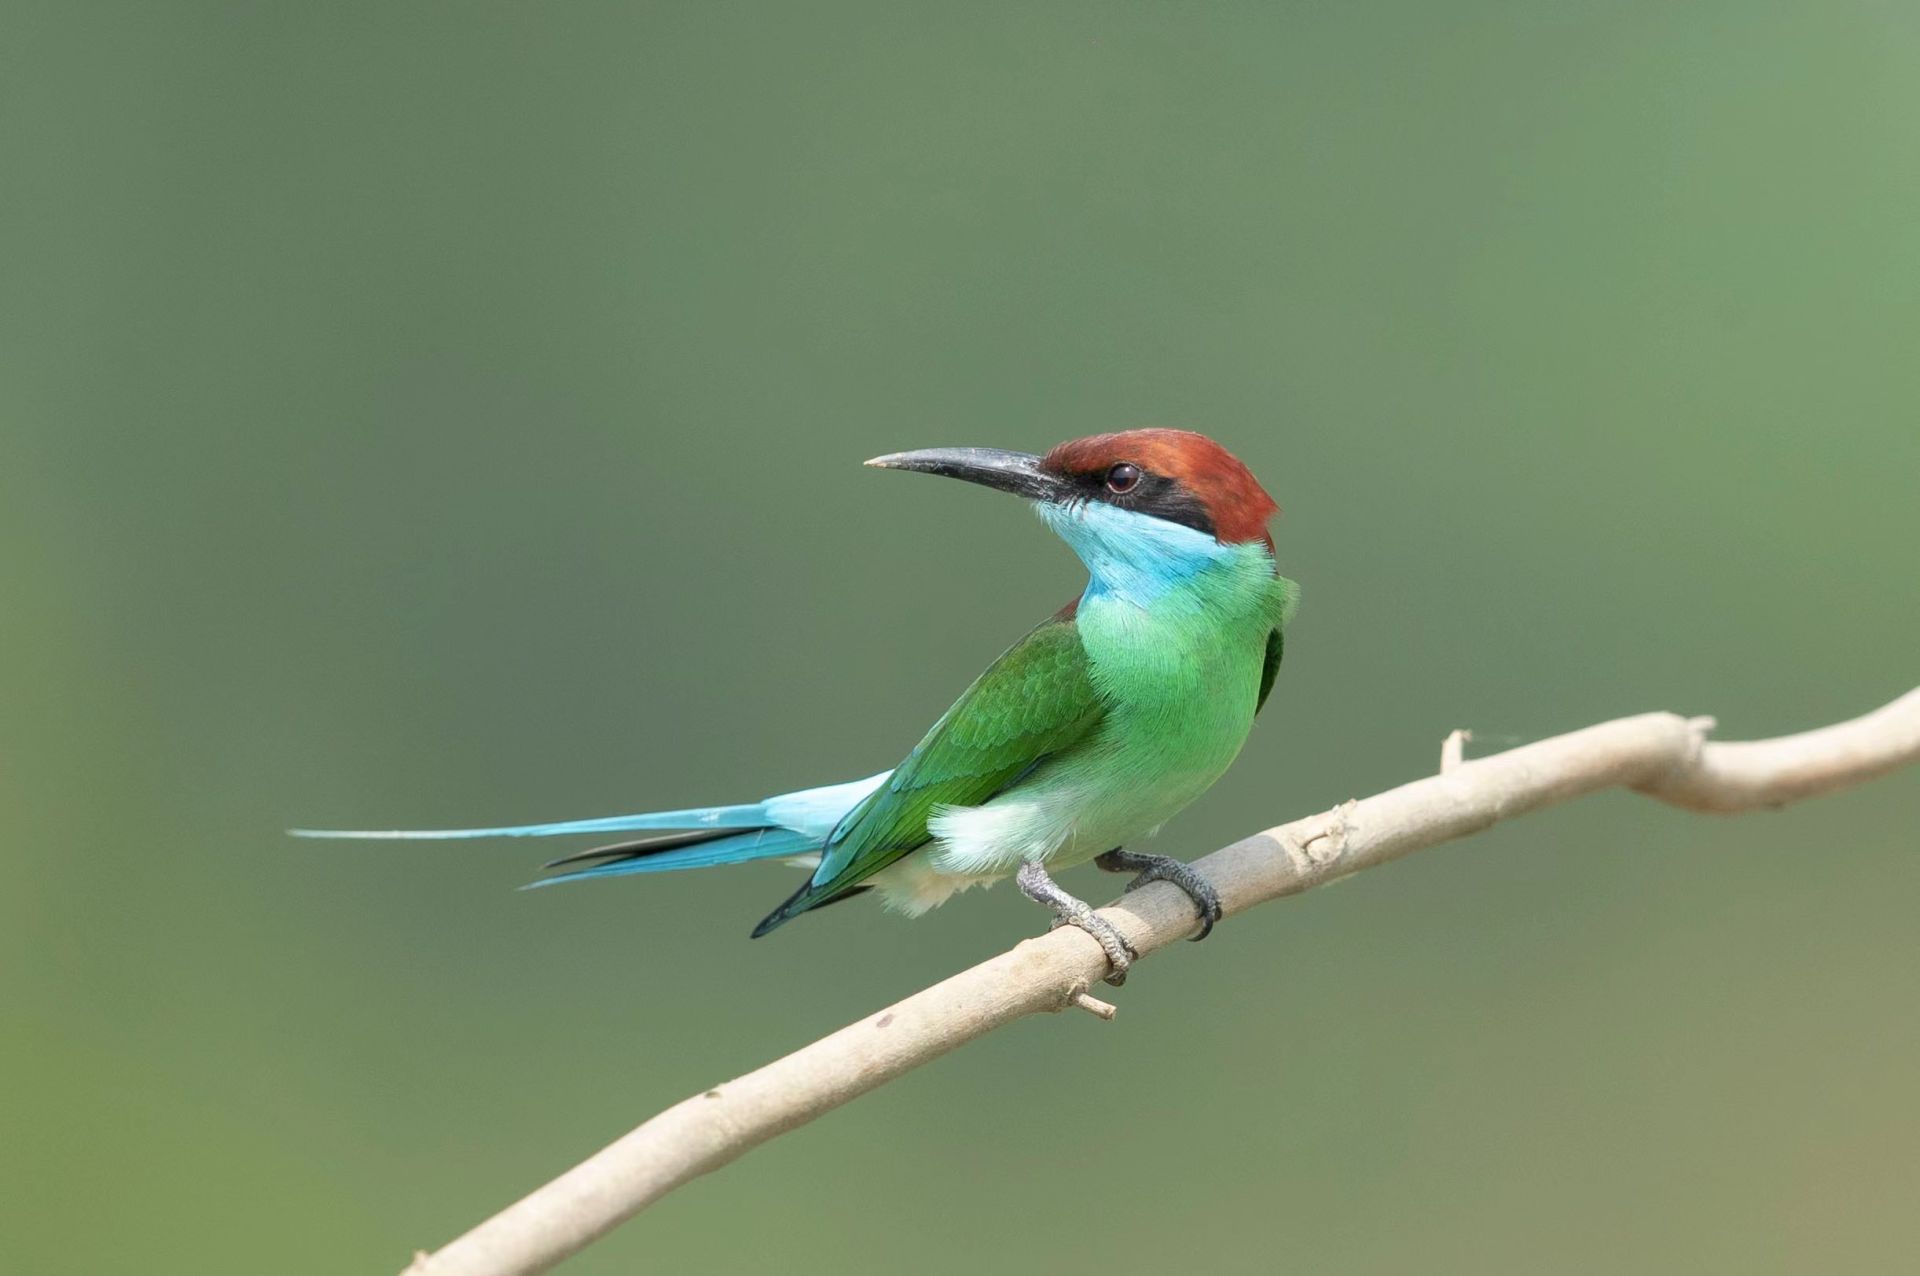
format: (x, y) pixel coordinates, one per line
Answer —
(1177, 475)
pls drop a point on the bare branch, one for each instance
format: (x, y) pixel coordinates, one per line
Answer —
(1658, 754)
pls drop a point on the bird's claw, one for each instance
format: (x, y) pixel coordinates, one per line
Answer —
(1069, 910)
(1120, 953)
(1165, 868)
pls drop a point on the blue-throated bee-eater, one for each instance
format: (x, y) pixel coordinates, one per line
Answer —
(1086, 735)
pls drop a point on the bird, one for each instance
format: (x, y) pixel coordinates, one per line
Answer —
(1084, 737)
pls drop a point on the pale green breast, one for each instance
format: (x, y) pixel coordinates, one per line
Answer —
(1181, 681)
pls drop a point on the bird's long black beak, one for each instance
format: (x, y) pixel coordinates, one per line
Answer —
(1016, 472)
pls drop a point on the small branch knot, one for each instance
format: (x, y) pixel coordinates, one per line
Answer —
(1079, 998)
(1323, 847)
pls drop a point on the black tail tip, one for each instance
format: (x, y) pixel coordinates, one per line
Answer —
(803, 901)
(794, 905)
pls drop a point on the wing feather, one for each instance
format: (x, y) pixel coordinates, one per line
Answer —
(1031, 704)
(1271, 669)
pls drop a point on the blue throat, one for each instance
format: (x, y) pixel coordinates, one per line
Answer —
(1131, 557)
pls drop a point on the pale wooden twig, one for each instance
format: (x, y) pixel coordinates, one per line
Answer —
(1658, 754)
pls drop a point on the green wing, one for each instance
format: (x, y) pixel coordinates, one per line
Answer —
(1030, 704)
(1270, 670)
(1288, 596)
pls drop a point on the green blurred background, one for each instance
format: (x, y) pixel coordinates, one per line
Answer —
(436, 414)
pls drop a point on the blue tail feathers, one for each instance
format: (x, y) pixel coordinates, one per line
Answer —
(736, 848)
(752, 815)
(789, 824)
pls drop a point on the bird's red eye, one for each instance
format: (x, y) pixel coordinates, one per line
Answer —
(1123, 478)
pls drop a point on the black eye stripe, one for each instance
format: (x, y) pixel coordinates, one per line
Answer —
(1150, 493)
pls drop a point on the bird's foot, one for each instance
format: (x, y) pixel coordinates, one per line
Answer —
(1165, 868)
(1071, 911)
(1120, 954)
